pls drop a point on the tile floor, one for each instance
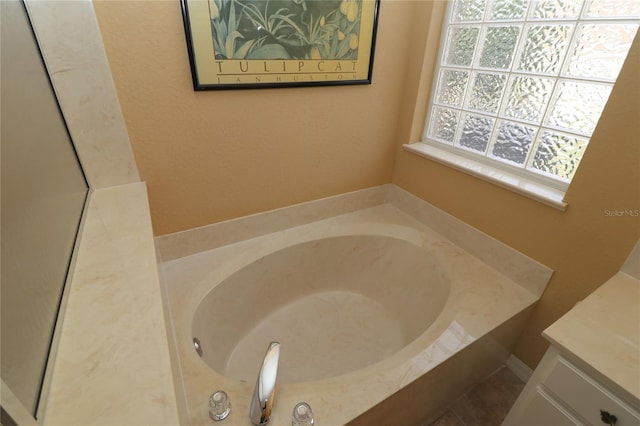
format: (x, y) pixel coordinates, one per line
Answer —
(485, 405)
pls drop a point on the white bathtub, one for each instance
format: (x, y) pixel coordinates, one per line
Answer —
(381, 319)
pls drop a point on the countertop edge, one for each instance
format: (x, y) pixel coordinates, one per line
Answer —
(112, 364)
(600, 334)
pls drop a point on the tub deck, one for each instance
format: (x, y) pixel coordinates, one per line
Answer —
(471, 337)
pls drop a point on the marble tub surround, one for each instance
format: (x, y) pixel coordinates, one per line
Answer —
(520, 268)
(483, 313)
(602, 335)
(515, 265)
(185, 243)
(632, 265)
(112, 365)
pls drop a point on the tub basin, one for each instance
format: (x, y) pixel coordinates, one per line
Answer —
(335, 304)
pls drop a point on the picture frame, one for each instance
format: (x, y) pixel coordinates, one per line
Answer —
(248, 44)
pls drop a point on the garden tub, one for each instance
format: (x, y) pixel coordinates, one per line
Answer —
(381, 320)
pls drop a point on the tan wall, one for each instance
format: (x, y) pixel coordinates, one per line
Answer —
(583, 245)
(211, 156)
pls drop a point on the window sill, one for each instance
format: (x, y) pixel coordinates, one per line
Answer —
(519, 184)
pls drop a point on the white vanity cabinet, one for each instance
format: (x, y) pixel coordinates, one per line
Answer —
(591, 373)
(561, 393)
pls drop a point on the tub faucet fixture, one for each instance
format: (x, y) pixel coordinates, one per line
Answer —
(264, 393)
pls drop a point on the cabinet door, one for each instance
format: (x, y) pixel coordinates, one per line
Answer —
(587, 397)
(543, 410)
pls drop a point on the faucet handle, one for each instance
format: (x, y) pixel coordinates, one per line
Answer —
(264, 392)
(302, 415)
(219, 405)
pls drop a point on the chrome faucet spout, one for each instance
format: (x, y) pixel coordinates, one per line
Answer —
(264, 393)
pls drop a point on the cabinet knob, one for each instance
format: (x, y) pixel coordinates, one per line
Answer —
(608, 418)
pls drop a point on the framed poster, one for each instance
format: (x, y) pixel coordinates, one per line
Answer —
(239, 44)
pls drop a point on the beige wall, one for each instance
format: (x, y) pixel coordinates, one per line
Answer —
(211, 156)
(583, 245)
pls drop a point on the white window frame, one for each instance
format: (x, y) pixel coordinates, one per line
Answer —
(534, 185)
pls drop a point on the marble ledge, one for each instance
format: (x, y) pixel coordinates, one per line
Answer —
(602, 333)
(71, 44)
(112, 364)
(192, 241)
(520, 268)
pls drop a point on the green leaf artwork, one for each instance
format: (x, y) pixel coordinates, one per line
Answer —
(285, 29)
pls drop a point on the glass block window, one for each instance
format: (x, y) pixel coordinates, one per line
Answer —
(524, 82)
